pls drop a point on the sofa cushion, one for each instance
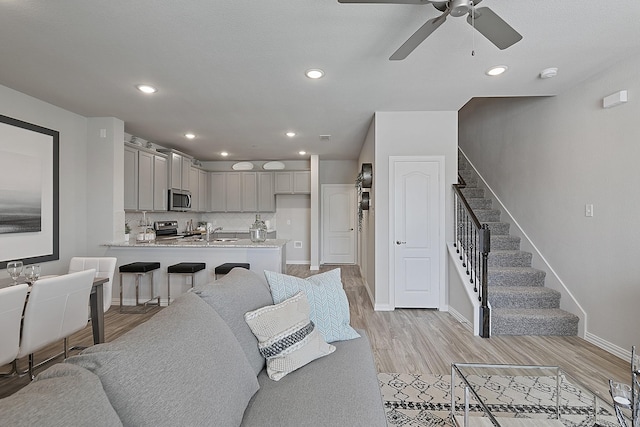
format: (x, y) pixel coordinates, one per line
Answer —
(63, 395)
(181, 367)
(340, 389)
(232, 296)
(328, 301)
(286, 336)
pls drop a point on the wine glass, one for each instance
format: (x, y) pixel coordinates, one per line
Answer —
(14, 268)
(32, 273)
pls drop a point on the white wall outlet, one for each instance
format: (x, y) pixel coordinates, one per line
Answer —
(588, 209)
(297, 244)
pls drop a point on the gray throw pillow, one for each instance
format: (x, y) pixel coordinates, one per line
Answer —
(181, 367)
(63, 395)
(232, 296)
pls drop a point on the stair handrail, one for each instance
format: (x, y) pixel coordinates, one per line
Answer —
(473, 244)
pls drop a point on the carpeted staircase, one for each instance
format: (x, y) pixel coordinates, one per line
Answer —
(520, 304)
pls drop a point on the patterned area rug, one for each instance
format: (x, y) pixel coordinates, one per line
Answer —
(425, 400)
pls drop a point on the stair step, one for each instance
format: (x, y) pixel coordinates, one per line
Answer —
(498, 228)
(504, 242)
(515, 276)
(477, 203)
(523, 297)
(518, 321)
(488, 215)
(470, 193)
(467, 174)
(463, 164)
(509, 259)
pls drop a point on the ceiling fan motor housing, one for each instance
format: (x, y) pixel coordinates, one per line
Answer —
(460, 7)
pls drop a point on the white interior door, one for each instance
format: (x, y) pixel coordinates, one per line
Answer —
(338, 224)
(416, 233)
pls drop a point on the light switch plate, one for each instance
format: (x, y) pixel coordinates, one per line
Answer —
(588, 210)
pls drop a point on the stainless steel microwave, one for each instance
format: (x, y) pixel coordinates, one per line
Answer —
(179, 200)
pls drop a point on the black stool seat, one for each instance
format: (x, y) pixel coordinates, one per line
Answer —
(186, 267)
(227, 267)
(139, 267)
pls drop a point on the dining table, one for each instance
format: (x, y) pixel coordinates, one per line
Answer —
(96, 307)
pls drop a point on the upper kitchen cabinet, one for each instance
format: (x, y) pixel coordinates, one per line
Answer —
(241, 192)
(296, 182)
(179, 169)
(130, 178)
(266, 192)
(145, 180)
(198, 183)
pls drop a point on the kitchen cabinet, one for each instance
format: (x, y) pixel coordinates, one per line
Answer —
(179, 169)
(145, 180)
(266, 192)
(203, 199)
(198, 188)
(160, 190)
(295, 182)
(130, 178)
(241, 192)
(249, 192)
(217, 191)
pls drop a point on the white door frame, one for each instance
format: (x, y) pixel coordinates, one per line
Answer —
(441, 221)
(354, 220)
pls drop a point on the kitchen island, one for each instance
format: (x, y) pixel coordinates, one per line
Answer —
(268, 255)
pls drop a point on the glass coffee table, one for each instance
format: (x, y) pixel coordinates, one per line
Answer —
(523, 396)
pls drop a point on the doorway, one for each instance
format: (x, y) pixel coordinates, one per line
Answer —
(338, 224)
(416, 214)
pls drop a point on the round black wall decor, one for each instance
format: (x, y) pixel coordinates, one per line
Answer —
(364, 203)
(367, 175)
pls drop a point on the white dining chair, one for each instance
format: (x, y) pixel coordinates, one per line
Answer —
(105, 268)
(56, 308)
(12, 301)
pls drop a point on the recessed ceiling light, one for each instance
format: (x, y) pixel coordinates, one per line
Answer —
(189, 135)
(146, 89)
(497, 70)
(290, 134)
(302, 153)
(224, 154)
(314, 73)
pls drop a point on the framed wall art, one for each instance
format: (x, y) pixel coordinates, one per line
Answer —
(29, 192)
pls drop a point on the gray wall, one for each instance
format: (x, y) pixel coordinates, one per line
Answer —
(546, 158)
(411, 133)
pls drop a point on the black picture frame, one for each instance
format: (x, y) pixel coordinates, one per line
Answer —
(41, 147)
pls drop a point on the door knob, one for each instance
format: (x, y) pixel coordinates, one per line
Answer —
(398, 242)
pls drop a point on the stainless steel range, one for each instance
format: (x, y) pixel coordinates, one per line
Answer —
(166, 229)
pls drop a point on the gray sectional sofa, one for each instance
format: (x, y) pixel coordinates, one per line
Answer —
(196, 363)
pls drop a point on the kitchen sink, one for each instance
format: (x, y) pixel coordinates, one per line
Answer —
(225, 239)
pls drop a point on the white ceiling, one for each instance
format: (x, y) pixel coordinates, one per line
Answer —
(232, 71)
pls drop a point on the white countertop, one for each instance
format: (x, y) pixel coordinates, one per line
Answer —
(196, 243)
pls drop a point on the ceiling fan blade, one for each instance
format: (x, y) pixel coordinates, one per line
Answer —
(494, 28)
(418, 37)
(389, 1)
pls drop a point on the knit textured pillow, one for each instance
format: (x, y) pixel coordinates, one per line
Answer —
(286, 336)
(328, 301)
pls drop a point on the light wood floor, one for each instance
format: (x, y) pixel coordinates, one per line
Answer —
(414, 341)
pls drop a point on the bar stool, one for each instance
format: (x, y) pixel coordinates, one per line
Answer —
(140, 269)
(223, 269)
(190, 268)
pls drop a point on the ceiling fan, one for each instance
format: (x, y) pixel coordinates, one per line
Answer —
(483, 19)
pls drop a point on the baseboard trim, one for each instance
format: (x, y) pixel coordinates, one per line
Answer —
(607, 346)
(383, 307)
(314, 267)
(460, 318)
(299, 262)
